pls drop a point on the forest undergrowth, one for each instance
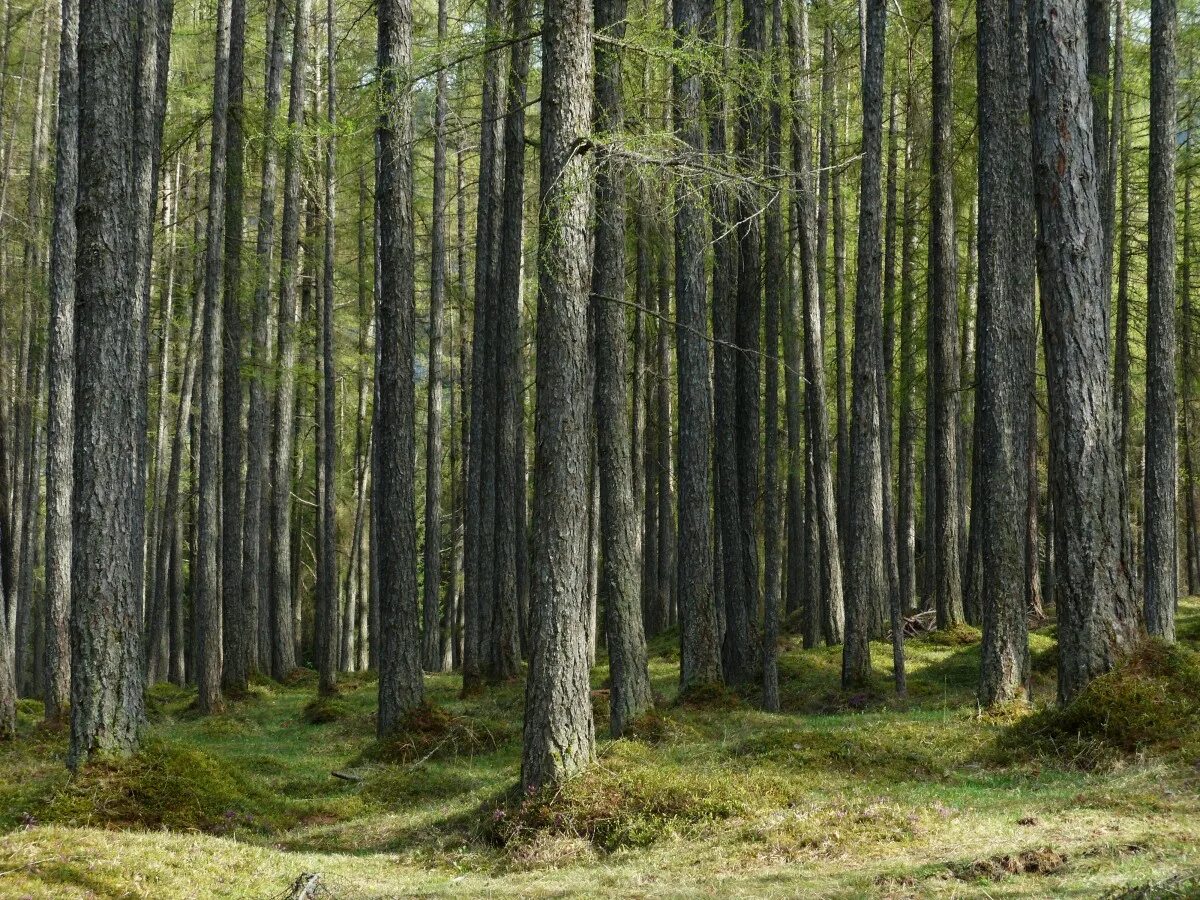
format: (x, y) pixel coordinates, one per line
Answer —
(841, 794)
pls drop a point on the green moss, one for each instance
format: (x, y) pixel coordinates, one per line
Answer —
(323, 710)
(1150, 701)
(960, 635)
(432, 732)
(710, 695)
(166, 785)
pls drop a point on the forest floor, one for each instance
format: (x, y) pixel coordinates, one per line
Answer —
(838, 796)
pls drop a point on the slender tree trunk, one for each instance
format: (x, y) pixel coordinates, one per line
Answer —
(1004, 383)
(1161, 547)
(1097, 613)
(906, 526)
(61, 376)
(559, 737)
(618, 522)
(401, 685)
(256, 548)
(1191, 499)
(283, 651)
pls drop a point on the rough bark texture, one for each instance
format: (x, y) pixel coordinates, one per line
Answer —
(620, 562)
(1004, 384)
(256, 549)
(866, 579)
(431, 645)
(283, 651)
(559, 738)
(1097, 613)
(240, 620)
(1161, 560)
(906, 524)
(825, 598)
(107, 672)
(401, 686)
(947, 583)
(61, 374)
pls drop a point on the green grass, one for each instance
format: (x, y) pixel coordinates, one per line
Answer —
(840, 795)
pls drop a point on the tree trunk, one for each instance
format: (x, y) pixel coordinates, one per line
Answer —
(620, 575)
(866, 580)
(906, 526)
(1097, 613)
(559, 738)
(1004, 383)
(283, 651)
(107, 671)
(1161, 548)
(61, 375)
(401, 686)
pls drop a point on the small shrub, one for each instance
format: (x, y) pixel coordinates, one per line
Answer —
(1028, 862)
(654, 727)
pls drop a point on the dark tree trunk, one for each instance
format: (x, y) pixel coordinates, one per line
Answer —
(401, 686)
(906, 526)
(559, 738)
(116, 76)
(61, 375)
(256, 549)
(283, 651)
(240, 620)
(947, 582)
(1097, 612)
(327, 614)
(431, 651)
(825, 597)
(1004, 383)
(618, 521)
(1161, 549)
(866, 579)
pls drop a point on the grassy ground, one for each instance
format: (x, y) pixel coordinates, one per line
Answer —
(838, 796)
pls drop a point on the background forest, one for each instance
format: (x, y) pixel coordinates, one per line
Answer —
(657, 447)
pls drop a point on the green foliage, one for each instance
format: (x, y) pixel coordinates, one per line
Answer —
(322, 710)
(960, 635)
(431, 732)
(1152, 700)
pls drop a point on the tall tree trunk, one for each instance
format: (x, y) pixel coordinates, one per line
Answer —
(283, 651)
(431, 642)
(1097, 613)
(947, 581)
(61, 374)
(256, 549)
(401, 686)
(825, 595)
(906, 526)
(618, 522)
(1161, 546)
(866, 580)
(559, 737)
(240, 620)
(117, 62)
(327, 617)
(1004, 383)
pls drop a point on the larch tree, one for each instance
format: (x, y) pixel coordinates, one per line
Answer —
(699, 638)
(620, 582)
(1097, 612)
(1161, 550)
(866, 579)
(1004, 384)
(401, 685)
(559, 735)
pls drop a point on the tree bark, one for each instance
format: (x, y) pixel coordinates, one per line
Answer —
(1161, 550)
(401, 685)
(1097, 613)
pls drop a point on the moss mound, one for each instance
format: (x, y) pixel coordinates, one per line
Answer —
(710, 695)
(431, 732)
(323, 710)
(630, 802)
(166, 785)
(655, 727)
(960, 635)
(1150, 701)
